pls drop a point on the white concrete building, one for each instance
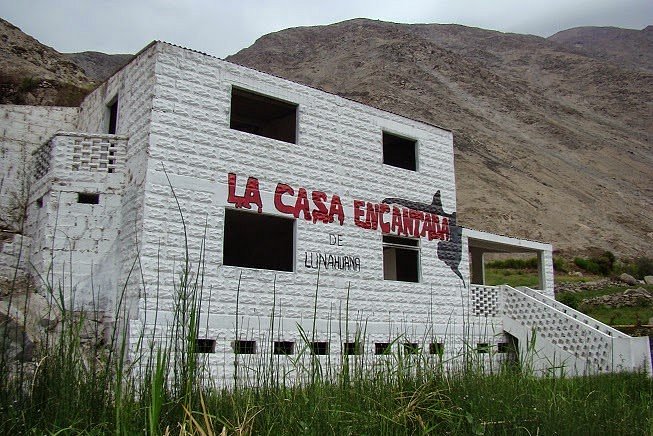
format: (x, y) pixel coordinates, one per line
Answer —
(291, 212)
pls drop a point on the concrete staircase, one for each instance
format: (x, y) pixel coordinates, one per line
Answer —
(555, 337)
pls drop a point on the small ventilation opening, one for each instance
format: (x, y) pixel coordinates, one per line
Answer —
(88, 198)
(263, 116)
(411, 348)
(284, 347)
(382, 348)
(399, 152)
(436, 348)
(244, 347)
(319, 348)
(204, 345)
(352, 348)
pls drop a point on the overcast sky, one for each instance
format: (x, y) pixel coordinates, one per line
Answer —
(221, 28)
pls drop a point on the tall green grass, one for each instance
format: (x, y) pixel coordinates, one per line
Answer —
(161, 386)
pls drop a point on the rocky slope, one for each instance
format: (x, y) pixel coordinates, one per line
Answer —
(624, 47)
(552, 136)
(551, 144)
(33, 73)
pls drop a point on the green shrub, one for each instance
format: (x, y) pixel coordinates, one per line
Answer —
(603, 264)
(644, 267)
(530, 263)
(559, 264)
(570, 299)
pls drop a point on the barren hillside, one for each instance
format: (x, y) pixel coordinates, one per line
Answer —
(551, 144)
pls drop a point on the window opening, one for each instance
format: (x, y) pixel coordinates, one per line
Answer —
(411, 348)
(400, 259)
(113, 116)
(244, 347)
(399, 152)
(204, 345)
(352, 348)
(263, 115)
(39, 202)
(436, 348)
(382, 348)
(319, 348)
(283, 347)
(483, 348)
(254, 240)
(88, 198)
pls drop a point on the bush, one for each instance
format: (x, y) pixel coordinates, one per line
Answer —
(530, 263)
(559, 264)
(644, 267)
(603, 264)
(570, 299)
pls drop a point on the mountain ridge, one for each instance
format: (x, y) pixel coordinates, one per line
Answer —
(551, 143)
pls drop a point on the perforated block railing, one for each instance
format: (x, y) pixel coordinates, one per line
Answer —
(579, 337)
(80, 152)
(593, 346)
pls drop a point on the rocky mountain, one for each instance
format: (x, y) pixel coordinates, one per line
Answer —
(99, 66)
(551, 143)
(624, 47)
(33, 73)
(552, 136)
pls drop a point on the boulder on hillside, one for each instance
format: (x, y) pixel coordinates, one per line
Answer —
(648, 280)
(628, 279)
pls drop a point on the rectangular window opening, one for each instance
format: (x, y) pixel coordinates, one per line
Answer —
(244, 347)
(352, 348)
(284, 347)
(319, 348)
(411, 348)
(263, 115)
(399, 152)
(382, 348)
(88, 198)
(400, 259)
(254, 240)
(39, 202)
(436, 348)
(203, 345)
(482, 348)
(112, 110)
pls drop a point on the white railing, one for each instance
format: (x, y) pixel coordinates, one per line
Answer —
(561, 336)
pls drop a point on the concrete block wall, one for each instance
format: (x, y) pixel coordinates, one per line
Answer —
(75, 243)
(22, 130)
(134, 88)
(338, 151)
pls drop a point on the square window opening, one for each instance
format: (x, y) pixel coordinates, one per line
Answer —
(88, 198)
(203, 345)
(284, 348)
(400, 259)
(382, 348)
(112, 115)
(411, 348)
(319, 348)
(399, 152)
(352, 348)
(436, 348)
(254, 240)
(244, 347)
(263, 116)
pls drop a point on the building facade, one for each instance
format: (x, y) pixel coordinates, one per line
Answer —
(295, 221)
